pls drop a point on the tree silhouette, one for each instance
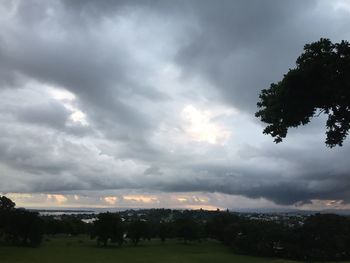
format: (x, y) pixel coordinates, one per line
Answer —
(108, 227)
(187, 229)
(6, 203)
(19, 226)
(326, 237)
(165, 231)
(320, 83)
(137, 230)
(24, 228)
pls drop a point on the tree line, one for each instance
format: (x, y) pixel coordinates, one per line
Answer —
(19, 226)
(320, 237)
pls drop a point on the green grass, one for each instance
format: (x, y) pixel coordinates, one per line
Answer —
(81, 249)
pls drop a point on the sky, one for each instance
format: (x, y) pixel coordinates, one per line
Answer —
(151, 104)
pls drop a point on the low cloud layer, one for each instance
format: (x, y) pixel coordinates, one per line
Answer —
(100, 98)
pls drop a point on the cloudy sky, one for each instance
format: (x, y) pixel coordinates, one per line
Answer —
(151, 104)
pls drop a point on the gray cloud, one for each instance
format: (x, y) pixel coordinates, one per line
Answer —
(51, 114)
(242, 47)
(130, 68)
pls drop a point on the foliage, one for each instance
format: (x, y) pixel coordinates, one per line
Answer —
(24, 228)
(322, 237)
(221, 227)
(165, 231)
(326, 237)
(137, 230)
(19, 226)
(67, 224)
(320, 83)
(187, 229)
(6, 203)
(108, 227)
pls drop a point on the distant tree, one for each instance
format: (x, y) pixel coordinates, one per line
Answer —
(137, 230)
(74, 226)
(165, 231)
(52, 226)
(108, 227)
(20, 227)
(25, 228)
(67, 224)
(325, 237)
(6, 203)
(187, 229)
(218, 225)
(259, 238)
(5, 206)
(320, 83)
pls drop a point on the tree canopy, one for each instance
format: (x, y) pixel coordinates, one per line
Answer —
(108, 227)
(19, 226)
(320, 83)
(6, 203)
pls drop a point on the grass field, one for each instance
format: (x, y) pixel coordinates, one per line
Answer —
(81, 249)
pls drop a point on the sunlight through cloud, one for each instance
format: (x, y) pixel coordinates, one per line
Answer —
(59, 199)
(68, 100)
(200, 127)
(112, 200)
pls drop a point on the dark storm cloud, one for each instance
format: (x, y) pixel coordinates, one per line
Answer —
(108, 54)
(243, 46)
(240, 46)
(294, 177)
(97, 71)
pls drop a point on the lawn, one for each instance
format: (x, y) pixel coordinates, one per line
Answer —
(81, 249)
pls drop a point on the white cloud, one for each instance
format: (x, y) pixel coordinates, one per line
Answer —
(200, 126)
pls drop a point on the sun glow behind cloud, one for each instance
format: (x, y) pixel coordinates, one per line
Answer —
(343, 5)
(201, 128)
(68, 100)
(111, 200)
(141, 198)
(57, 198)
